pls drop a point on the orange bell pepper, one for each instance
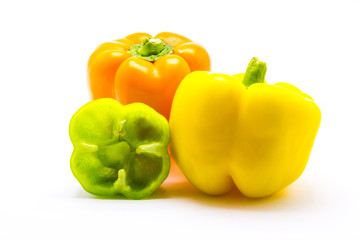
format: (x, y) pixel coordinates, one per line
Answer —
(141, 68)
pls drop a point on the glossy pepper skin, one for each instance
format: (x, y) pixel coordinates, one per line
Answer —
(119, 149)
(142, 68)
(228, 130)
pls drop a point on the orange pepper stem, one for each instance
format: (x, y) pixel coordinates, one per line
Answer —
(150, 49)
(255, 72)
(151, 46)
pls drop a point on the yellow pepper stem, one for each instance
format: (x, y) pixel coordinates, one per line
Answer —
(255, 72)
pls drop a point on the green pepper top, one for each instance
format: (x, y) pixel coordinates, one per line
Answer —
(119, 149)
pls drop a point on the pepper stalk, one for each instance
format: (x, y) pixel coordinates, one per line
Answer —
(255, 72)
(151, 49)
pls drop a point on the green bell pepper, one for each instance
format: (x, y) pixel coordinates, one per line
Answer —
(119, 149)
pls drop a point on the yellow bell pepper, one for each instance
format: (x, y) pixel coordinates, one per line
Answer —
(238, 130)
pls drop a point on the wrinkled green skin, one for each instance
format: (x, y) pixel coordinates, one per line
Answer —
(119, 149)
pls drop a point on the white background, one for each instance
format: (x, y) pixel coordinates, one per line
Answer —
(44, 48)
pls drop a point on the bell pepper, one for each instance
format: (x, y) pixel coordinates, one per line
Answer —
(119, 149)
(239, 130)
(142, 68)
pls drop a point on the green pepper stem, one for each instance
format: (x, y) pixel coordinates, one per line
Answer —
(255, 72)
(150, 49)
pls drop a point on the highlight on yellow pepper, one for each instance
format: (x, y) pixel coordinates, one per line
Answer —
(239, 130)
